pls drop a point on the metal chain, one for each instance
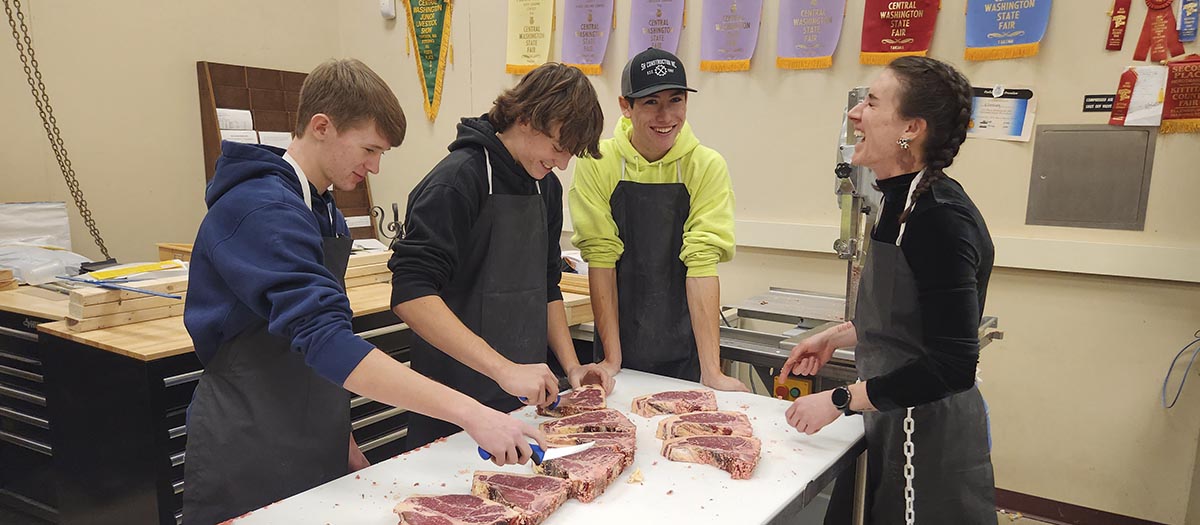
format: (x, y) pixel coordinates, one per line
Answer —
(38, 88)
(910, 494)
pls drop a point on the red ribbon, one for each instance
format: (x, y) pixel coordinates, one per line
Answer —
(1159, 36)
(1116, 27)
(1121, 102)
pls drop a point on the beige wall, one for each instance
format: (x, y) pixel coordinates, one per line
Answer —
(1074, 386)
(122, 79)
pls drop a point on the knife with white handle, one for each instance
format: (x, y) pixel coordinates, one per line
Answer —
(540, 455)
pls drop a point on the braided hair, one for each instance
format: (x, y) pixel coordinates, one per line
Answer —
(936, 92)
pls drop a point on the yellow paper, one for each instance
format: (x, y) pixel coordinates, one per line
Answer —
(530, 31)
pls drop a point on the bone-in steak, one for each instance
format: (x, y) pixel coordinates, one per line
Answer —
(583, 399)
(723, 423)
(589, 471)
(453, 509)
(737, 455)
(675, 402)
(626, 442)
(532, 495)
(607, 420)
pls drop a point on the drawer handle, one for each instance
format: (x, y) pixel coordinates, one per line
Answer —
(20, 359)
(376, 417)
(24, 418)
(4, 330)
(17, 393)
(177, 487)
(177, 459)
(390, 329)
(180, 430)
(383, 440)
(17, 372)
(30, 444)
(182, 378)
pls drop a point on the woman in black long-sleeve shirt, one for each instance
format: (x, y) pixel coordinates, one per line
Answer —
(920, 300)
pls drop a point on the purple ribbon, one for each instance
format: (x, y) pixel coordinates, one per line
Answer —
(809, 29)
(655, 23)
(729, 34)
(586, 26)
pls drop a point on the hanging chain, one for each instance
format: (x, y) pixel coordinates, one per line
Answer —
(46, 111)
(910, 494)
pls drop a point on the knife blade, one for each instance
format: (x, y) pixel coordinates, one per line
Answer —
(540, 455)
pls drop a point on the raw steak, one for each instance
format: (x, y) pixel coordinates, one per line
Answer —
(606, 420)
(626, 442)
(589, 471)
(737, 455)
(675, 402)
(583, 399)
(723, 423)
(453, 509)
(533, 496)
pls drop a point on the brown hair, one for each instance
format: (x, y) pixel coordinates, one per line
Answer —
(349, 93)
(554, 94)
(936, 92)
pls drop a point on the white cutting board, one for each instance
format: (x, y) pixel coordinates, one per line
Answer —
(671, 492)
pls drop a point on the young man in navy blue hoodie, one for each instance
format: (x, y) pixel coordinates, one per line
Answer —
(269, 317)
(476, 273)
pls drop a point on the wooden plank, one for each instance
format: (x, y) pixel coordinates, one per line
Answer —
(174, 250)
(6, 274)
(579, 308)
(124, 318)
(369, 279)
(79, 311)
(367, 269)
(574, 283)
(8, 285)
(90, 296)
(363, 259)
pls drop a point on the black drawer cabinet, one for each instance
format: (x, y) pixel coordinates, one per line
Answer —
(120, 447)
(27, 480)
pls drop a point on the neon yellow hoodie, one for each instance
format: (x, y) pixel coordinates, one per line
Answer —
(708, 231)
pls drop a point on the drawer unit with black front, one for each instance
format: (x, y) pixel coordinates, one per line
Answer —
(26, 464)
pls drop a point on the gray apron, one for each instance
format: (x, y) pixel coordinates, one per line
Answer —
(263, 425)
(505, 304)
(953, 481)
(652, 309)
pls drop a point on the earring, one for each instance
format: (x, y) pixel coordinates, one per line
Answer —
(903, 142)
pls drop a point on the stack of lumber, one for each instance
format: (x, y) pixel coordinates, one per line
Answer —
(6, 280)
(97, 308)
(368, 268)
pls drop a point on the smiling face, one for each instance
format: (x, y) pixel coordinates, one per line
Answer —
(878, 125)
(535, 151)
(657, 120)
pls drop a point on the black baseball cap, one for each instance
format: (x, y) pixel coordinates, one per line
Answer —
(651, 71)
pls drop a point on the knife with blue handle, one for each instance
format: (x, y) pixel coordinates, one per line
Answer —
(540, 455)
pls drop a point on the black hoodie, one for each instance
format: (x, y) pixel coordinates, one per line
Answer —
(444, 206)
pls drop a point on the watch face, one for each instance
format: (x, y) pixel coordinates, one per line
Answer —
(840, 397)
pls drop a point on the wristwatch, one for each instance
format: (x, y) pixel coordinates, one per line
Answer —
(841, 400)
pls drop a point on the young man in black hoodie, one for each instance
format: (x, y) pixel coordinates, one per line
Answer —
(476, 272)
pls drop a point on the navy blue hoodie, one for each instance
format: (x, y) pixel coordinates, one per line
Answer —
(258, 257)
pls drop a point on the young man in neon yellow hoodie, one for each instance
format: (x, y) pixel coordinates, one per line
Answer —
(653, 217)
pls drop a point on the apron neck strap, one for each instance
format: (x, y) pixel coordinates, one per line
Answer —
(487, 163)
(304, 184)
(908, 203)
